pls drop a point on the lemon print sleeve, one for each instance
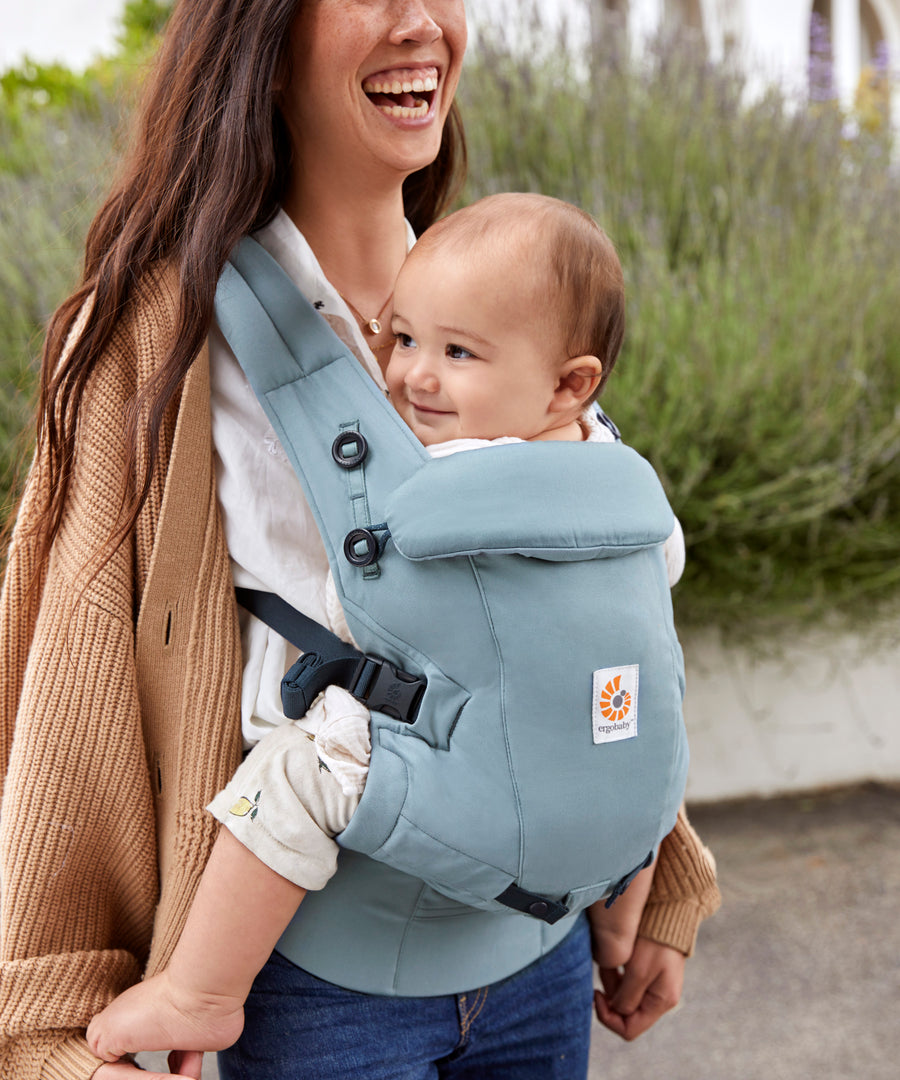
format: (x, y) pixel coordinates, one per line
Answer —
(298, 788)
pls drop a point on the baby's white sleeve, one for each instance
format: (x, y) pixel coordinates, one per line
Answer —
(674, 552)
(298, 788)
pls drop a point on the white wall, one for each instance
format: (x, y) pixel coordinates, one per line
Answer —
(73, 31)
(818, 711)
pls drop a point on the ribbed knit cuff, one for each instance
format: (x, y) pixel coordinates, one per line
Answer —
(684, 890)
(48, 1055)
(71, 1060)
(674, 923)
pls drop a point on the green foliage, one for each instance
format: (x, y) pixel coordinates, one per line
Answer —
(53, 167)
(43, 86)
(142, 23)
(58, 132)
(761, 372)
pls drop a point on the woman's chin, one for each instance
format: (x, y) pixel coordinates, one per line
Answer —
(407, 150)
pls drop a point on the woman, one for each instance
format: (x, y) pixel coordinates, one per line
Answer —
(315, 125)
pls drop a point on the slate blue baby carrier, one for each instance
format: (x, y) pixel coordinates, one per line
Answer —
(523, 673)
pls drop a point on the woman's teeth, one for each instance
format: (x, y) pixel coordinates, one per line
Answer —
(395, 93)
(400, 86)
(418, 108)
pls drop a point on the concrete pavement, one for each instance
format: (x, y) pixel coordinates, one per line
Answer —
(798, 976)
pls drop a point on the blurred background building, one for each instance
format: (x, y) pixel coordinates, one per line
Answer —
(843, 49)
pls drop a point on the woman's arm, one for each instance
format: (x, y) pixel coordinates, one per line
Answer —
(684, 890)
(93, 777)
(683, 893)
(76, 802)
(76, 838)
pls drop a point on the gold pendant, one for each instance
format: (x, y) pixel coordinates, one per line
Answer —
(374, 326)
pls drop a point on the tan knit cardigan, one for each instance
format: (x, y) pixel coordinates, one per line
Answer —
(119, 720)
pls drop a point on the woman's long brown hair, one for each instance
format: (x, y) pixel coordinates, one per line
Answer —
(209, 164)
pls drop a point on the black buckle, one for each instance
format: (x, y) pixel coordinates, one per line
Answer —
(381, 686)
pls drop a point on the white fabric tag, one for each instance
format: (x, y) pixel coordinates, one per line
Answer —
(614, 708)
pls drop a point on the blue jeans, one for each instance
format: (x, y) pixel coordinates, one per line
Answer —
(535, 1025)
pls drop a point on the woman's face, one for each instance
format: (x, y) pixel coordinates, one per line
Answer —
(373, 81)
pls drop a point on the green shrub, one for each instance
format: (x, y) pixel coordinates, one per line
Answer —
(53, 168)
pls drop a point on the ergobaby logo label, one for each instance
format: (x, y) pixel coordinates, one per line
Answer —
(615, 700)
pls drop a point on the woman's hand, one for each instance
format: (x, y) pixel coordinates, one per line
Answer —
(635, 996)
(184, 1064)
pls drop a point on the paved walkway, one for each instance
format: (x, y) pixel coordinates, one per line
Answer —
(798, 976)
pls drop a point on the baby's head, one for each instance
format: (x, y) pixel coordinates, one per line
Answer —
(509, 316)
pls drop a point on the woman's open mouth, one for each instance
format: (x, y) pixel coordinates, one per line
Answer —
(406, 93)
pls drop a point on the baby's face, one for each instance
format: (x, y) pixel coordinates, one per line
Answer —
(473, 358)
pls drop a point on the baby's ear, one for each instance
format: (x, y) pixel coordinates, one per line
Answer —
(579, 377)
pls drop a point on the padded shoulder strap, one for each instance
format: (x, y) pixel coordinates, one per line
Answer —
(263, 316)
(281, 341)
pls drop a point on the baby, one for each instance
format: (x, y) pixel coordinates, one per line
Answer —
(508, 316)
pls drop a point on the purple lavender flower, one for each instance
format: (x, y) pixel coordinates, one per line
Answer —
(821, 67)
(882, 59)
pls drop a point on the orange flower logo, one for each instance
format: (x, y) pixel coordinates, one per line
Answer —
(614, 702)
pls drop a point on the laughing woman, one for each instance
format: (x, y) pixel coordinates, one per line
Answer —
(326, 128)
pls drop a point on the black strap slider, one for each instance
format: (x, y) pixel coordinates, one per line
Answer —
(382, 687)
(539, 907)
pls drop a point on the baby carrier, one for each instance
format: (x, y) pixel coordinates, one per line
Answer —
(521, 665)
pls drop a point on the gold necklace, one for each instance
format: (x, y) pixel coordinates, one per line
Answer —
(373, 325)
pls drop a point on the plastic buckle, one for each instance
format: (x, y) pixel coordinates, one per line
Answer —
(381, 686)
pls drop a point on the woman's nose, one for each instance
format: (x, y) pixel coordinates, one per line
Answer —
(413, 22)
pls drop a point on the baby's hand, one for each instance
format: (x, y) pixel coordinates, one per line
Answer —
(158, 1015)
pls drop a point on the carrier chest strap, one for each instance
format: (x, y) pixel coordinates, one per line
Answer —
(328, 661)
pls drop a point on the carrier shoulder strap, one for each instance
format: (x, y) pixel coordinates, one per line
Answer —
(263, 326)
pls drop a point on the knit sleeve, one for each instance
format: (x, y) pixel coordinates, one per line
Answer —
(53, 1055)
(684, 889)
(77, 829)
(76, 842)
